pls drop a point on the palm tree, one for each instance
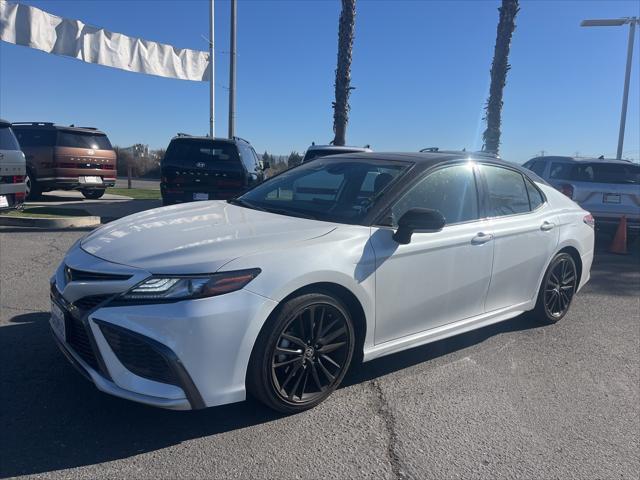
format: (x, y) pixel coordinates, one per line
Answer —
(499, 69)
(343, 71)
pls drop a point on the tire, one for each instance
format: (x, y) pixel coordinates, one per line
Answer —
(32, 188)
(93, 194)
(301, 373)
(557, 289)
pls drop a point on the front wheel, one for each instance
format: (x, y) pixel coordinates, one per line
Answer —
(93, 194)
(558, 287)
(302, 354)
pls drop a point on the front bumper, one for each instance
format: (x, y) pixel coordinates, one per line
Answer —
(205, 343)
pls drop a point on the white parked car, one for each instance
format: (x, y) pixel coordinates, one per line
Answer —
(278, 291)
(12, 169)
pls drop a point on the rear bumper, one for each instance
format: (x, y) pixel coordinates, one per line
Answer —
(73, 183)
(171, 196)
(611, 221)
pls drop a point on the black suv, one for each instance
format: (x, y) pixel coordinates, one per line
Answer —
(204, 168)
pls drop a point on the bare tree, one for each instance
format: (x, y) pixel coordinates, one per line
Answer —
(499, 69)
(343, 71)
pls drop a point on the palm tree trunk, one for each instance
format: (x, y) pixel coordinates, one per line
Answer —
(499, 69)
(343, 71)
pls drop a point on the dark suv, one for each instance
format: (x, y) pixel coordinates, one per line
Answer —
(204, 168)
(66, 158)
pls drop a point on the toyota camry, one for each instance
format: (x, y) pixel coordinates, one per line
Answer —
(335, 262)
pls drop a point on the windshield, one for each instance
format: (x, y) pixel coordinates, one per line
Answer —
(330, 190)
(94, 141)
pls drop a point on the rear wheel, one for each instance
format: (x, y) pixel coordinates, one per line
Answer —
(32, 189)
(558, 287)
(93, 194)
(302, 354)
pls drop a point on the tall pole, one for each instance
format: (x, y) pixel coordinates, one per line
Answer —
(212, 99)
(625, 95)
(232, 71)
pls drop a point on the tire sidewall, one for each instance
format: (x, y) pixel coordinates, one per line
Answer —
(261, 383)
(541, 307)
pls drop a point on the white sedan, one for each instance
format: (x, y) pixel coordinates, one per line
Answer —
(277, 292)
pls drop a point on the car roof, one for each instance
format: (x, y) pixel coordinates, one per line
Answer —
(338, 148)
(206, 138)
(53, 126)
(556, 158)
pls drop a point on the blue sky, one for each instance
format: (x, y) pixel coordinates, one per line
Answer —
(420, 68)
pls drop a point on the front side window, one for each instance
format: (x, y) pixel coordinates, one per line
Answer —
(246, 155)
(507, 192)
(450, 190)
(335, 191)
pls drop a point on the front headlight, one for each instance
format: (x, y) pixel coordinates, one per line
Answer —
(189, 287)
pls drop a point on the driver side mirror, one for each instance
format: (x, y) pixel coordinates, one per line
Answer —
(418, 220)
(265, 165)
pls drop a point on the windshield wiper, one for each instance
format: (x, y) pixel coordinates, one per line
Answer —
(243, 203)
(292, 213)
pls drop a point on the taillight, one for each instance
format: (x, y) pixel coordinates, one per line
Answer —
(589, 220)
(18, 179)
(567, 189)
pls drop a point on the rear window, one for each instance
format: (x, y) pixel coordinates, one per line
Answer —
(94, 141)
(8, 140)
(216, 155)
(597, 173)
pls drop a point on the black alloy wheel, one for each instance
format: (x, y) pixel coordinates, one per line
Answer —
(557, 289)
(305, 355)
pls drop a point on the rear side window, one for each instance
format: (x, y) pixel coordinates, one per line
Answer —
(507, 192)
(247, 157)
(561, 171)
(536, 166)
(450, 190)
(83, 140)
(35, 138)
(207, 154)
(535, 197)
(8, 140)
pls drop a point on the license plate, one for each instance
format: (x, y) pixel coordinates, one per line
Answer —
(92, 180)
(3, 201)
(57, 321)
(611, 198)
(201, 196)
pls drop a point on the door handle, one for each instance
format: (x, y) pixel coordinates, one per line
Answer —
(481, 238)
(546, 226)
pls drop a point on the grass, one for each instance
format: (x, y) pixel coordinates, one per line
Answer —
(137, 193)
(46, 212)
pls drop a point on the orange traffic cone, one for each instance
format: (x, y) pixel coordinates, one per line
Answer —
(619, 244)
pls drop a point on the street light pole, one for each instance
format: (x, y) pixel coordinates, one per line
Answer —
(616, 22)
(232, 71)
(212, 99)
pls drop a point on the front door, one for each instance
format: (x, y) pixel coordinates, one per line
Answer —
(439, 277)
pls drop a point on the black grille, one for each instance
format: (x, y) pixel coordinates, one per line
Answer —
(74, 275)
(138, 355)
(90, 302)
(78, 339)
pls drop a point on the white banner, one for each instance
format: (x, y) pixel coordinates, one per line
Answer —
(31, 27)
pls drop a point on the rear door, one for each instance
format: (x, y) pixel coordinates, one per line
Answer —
(525, 235)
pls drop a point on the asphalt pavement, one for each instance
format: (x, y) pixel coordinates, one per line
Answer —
(513, 400)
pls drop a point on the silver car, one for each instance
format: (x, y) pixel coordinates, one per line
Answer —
(607, 188)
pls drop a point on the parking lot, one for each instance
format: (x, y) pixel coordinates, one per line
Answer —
(511, 400)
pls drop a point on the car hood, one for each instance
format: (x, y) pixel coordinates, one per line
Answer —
(197, 237)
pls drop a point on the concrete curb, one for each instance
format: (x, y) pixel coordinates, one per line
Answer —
(62, 222)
